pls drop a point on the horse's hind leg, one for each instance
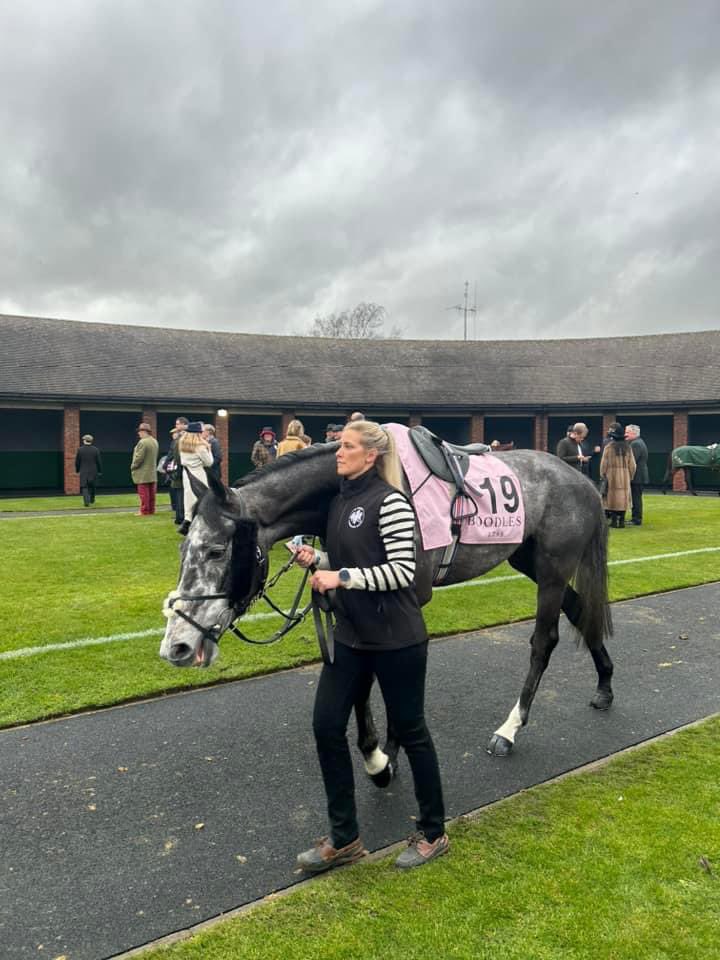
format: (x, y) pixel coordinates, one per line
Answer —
(542, 643)
(572, 608)
(378, 765)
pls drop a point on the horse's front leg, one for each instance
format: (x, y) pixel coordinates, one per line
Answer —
(377, 763)
(542, 643)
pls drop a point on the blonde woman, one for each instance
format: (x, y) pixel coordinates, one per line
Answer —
(294, 438)
(370, 563)
(195, 455)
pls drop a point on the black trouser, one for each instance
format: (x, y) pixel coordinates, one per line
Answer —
(636, 489)
(177, 503)
(401, 675)
(88, 492)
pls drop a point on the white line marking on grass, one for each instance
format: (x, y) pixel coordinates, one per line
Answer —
(95, 641)
(157, 631)
(486, 581)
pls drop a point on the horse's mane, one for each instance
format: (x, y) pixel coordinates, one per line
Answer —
(285, 461)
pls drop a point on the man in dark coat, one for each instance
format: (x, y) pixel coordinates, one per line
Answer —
(215, 448)
(642, 476)
(89, 465)
(570, 450)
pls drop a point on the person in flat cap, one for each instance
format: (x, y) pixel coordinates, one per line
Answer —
(89, 465)
(617, 467)
(265, 449)
(195, 457)
(143, 469)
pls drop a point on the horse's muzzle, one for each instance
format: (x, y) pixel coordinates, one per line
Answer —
(182, 655)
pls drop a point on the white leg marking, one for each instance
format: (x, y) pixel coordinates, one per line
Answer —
(511, 725)
(376, 762)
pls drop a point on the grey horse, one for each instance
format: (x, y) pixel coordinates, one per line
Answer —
(564, 552)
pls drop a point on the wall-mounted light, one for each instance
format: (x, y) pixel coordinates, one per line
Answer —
(222, 412)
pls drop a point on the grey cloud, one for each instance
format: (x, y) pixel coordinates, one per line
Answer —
(233, 165)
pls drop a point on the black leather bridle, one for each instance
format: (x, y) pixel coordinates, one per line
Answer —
(237, 606)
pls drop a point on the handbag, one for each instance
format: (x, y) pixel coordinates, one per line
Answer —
(603, 486)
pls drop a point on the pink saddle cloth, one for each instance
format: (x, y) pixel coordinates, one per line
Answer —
(494, 513)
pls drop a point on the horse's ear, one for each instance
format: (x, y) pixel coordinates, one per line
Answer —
(197, 486)
(217, 486)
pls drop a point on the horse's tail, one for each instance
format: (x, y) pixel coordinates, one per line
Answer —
(591, 583)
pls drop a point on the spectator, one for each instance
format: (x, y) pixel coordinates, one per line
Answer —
(570, 449)
(195, 457)
(293, 438)
(642, 476)
(618, 468)
(581, 436)
(333, 432)
(307, 439)
(215, 448)
(265, 449)
(174, 471)
(89, 465)
(143, 469)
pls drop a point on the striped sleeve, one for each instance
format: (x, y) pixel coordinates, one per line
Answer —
(397, 532)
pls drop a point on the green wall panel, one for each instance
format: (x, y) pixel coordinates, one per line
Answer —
(116, 470)
(31, 470)
(238, 465)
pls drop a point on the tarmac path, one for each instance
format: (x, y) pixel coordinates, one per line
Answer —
(124, 825)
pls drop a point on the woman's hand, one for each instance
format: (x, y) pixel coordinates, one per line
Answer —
(324, 580)
(304, 556)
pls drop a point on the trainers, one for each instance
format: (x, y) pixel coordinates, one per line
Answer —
(420, 851)
(323, 855)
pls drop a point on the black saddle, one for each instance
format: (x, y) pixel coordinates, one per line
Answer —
(449, 461)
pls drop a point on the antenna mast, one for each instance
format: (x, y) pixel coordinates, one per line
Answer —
(465, 309)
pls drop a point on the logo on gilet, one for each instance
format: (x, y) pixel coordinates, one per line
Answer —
(356, 517)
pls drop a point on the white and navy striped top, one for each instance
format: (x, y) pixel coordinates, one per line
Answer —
(396, 526)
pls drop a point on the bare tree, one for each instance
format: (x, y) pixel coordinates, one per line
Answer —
(365, 322)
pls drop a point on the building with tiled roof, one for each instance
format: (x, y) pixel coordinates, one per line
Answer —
(60, 379)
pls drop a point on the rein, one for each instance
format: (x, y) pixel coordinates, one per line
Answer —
(214, 633)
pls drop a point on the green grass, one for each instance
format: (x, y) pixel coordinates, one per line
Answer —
(31, 504)
(604, 865)
(95, 575)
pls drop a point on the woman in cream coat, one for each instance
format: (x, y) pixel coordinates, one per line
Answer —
(195, 455)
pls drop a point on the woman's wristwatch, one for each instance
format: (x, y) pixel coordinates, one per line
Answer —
(344, 577)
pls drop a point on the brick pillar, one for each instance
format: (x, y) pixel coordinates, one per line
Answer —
(477, 428)
(680, 439)
(71, 441)
(414, 420)
(540, 432)
(222, 432)
(608, 418)
(287, 416)
(150, 416)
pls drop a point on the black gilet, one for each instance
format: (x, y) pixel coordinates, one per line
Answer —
(368, 619)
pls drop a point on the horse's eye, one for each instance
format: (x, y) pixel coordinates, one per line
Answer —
(215, 553)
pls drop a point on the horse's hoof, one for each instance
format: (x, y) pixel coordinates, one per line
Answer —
(385, 777)
(602, 700)
(499, 746)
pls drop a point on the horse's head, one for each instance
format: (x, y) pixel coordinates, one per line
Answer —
(223, 568)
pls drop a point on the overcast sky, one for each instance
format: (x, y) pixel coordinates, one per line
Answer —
(235, 165)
